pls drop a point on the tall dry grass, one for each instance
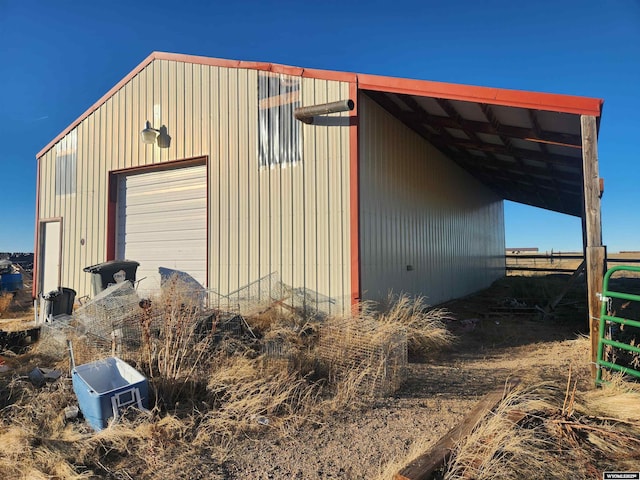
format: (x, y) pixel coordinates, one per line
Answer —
(425, 326)
(176, 347)
(5, 301)
(542, 431)
(501, 448)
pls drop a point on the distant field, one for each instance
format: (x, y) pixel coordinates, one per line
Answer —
(559, 262)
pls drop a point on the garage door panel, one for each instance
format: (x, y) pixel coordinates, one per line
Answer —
(167, 197)
(151, 212)
(165, 177)
(168, 248)
(187, 220)
(162, 222)
(155, 231)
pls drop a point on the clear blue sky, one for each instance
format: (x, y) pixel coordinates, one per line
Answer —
(58, 57)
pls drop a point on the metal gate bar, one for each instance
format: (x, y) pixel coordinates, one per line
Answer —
(606, 317)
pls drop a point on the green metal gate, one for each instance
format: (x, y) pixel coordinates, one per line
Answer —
(607, 318)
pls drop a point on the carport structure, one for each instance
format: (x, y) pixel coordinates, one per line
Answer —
(537, 149)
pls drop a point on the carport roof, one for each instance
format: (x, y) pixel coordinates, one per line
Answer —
(525, 146)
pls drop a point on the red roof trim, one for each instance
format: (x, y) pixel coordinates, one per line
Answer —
(493, 96)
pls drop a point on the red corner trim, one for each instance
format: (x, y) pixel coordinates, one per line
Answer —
(354, 185)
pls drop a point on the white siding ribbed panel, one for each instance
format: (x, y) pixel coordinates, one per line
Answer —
(293, 221)
(427, 226)
(162, 222)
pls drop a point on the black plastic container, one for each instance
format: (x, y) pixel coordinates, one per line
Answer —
(58, 302)
(108, 273)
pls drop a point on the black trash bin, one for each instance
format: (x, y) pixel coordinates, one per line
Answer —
(113, 271)
(58, 302)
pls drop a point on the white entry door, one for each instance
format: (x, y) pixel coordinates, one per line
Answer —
(162, 222)
(50, 233)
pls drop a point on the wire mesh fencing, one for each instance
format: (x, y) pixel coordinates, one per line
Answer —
(270, 291)
(370, 355)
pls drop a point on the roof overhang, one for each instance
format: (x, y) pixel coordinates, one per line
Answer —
(525, 146)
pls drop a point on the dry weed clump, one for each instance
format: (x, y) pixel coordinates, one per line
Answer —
(5, 300)
(177, 339)
(425, 327)
(545, 432)
(246, 398)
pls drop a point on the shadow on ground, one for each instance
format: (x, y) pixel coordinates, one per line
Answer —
(493, 328)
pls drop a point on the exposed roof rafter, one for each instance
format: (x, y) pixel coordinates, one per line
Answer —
(533, 176)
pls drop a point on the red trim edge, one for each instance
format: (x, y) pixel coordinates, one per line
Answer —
(489, 95)
(112, 215)
(354, 193)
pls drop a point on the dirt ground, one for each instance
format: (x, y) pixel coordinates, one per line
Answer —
(437, 394)
(500, 334)
(435, 398)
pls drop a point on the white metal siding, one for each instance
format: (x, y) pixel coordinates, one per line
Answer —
(294, 221)
(162, 222)
(419, 210)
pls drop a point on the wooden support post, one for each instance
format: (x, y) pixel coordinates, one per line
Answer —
(595, 275)
(594, 250)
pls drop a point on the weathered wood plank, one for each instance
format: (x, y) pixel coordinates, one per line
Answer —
(554, 303)
(591, 181)
(595, 252)
(595, 276)
(423, 467)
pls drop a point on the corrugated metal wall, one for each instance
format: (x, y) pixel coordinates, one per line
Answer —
(421, 211)
(294, 221)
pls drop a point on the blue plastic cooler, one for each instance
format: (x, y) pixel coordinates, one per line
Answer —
(105, 386)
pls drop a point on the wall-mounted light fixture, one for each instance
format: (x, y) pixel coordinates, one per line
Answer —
(150, 135)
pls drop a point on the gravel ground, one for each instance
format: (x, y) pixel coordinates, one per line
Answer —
(436, 396)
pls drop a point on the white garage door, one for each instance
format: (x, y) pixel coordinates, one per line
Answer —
(162, 222)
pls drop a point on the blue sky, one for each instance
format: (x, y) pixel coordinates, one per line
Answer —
(58, 57)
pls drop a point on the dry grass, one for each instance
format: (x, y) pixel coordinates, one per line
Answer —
(213, 390)
(425, 326)
(5, 300)
(210, 389)
(174, 350)
(387, 470)
(546, 432)
(616, 399)
(502, 448)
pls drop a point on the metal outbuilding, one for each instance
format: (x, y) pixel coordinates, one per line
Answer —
(403, 192)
